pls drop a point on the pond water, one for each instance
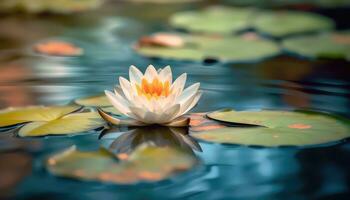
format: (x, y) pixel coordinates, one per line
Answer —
(227, 171)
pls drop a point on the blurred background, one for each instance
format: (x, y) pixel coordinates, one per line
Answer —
(271, 54)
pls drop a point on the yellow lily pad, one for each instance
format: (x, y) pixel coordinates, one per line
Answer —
(94, 101)
(98, 101)
(13, 116)
(69, 124)
(277, 128)
(146, 163)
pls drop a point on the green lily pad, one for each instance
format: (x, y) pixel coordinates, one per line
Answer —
(328, 45)
(284, 23)
(222, 20)
(225, 49)
(13, 116)
(146, 163)
(277, 128)
(69, 124)
(163, 1)
(57, 6)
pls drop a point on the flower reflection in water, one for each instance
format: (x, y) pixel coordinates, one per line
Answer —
(123, 143)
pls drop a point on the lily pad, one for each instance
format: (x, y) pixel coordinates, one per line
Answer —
(163, 1)
(277, 128)
(225, 49)
(328, 45)
(221, 20)
(58, 48)
(284, 23)
(98, 101)
(69, 124)
(146, 163)
(57, 6)
(94, 101)
(13, 116)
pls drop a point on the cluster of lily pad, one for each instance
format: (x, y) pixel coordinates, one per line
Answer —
(154, 153)
(225, 34)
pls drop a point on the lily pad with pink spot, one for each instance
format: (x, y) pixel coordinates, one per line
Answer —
(276, 128)
(246, 48)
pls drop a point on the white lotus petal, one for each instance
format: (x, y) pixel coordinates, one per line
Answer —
(186, 104)
(135, 75)
(121, 98)
(138, 112)
(151, 118)
(118, 89)
(165, 74)
(171, 113)
(179, 84)
(118, 105)
(126, 87)
(194, 102)
(167, 101)
(151, 73)
(187, 93)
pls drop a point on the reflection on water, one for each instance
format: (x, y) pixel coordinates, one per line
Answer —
(122, 143)
(228, 172)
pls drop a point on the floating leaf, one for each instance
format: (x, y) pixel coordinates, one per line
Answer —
(13, 116)
(94, 101)
(98, 101)
(69, 124)
(111, 110)
(283, 23)
(226, 49)
(163, 1)
(58, 48)
(146, 163)
(57, 6)
(329, 45)
(222, 20)
(277, 128)
(199, 122)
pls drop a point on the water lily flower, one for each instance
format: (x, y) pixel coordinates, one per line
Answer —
(152, 98)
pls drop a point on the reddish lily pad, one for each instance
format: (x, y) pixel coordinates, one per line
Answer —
(146, 163)
(277, 128)
(58, 48)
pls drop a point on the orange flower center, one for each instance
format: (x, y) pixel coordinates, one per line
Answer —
(154, 89)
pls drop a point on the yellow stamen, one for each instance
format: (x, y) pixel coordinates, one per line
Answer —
(155, 89)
